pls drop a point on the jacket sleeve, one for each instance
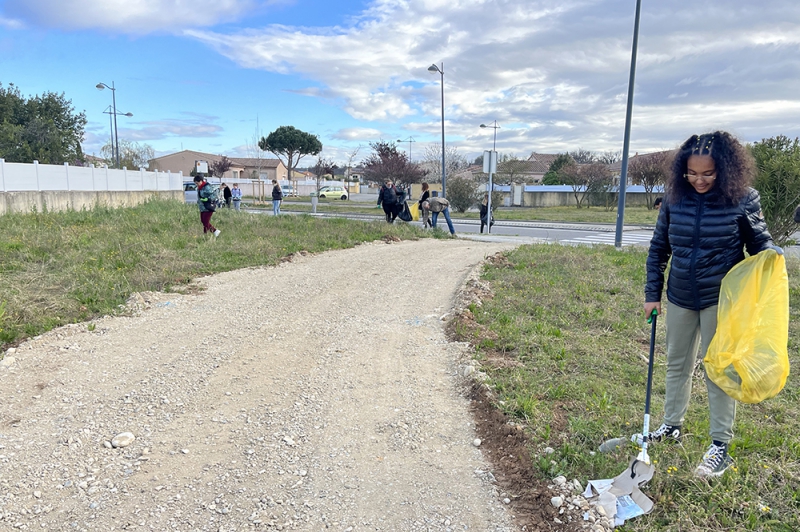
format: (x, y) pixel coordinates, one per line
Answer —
(380, 196)
(660, 251)
(754, 228)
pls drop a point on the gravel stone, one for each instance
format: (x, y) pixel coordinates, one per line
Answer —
(123, 439)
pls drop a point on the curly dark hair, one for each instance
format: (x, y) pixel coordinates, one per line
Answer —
(734, 164)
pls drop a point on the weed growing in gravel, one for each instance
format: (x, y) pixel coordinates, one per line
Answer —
(564, 341)
(66, 267)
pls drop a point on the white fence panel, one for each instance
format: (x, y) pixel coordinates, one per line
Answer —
(20, 176)
(35, 177)
(116, 179)
(80, 178)
(52, 177)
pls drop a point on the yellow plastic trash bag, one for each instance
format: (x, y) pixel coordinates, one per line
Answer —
(748, 356)
(414, 211)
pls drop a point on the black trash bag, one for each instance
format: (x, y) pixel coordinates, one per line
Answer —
(405, 213)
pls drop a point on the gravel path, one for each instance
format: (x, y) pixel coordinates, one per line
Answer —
(317, 395)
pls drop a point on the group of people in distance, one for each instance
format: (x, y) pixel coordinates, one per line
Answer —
(393, 200)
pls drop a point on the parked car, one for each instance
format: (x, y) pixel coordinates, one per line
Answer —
(333, 192)
(190, 192)
(288, 190)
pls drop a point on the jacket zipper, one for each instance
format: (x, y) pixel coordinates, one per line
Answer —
(693, 269)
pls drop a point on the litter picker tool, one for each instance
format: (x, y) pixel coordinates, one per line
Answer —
(621, 496)
(643, 456)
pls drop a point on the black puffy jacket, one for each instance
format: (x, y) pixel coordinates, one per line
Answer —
(706, 238)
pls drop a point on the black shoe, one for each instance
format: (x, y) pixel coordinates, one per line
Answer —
(664, 432)
(715, 462)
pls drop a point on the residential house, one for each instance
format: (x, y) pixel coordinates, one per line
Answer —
(263, 169)
(539, 165)
(530, 171)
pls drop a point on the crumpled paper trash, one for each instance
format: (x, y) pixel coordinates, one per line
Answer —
(620, 496)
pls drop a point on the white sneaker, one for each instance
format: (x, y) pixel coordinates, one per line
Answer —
(217, 232)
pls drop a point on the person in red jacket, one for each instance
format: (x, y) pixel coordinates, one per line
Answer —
(708, 217)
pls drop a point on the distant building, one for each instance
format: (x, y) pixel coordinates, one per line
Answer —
(241, 167)
(529, 171)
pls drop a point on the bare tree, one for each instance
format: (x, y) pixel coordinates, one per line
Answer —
(610, 157)
(350, 158)
(510, 167)
(454, 162)
(257, 156)
(570, 174)
(598, 179)
(218, 168)
(650, 171)
(322, 168)
(582, 156)
(132, 155)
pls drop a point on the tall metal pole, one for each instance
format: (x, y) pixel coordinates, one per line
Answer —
(491, 184)
(440, 70)
(114, 103)
(627, 140)
(111, 132)
(444, 175)
(492, 167)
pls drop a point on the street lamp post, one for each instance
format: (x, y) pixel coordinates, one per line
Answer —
(492, 168)
(434, 68)
(409, 140)
(110, 111)
(101, 86)
(626, 142)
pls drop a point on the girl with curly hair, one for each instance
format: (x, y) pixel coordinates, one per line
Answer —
(709, 216)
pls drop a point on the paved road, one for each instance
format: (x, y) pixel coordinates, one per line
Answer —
(561, 232)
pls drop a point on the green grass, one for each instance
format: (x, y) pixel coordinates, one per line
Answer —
(565, 342)
(67, 267)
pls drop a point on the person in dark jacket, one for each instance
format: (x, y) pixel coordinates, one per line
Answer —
(226, 195)
(484, 211)
(709, 216)
(388, 196)
(205, 204)
(277, 197)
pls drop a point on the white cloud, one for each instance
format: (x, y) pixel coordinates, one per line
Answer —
(357, 133)
(126, 16)
(192, 125)
(559, 66)
(10, 23)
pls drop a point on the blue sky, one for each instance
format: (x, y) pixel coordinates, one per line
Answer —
(208, 75)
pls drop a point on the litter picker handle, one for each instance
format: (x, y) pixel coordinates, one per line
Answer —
(652, 319)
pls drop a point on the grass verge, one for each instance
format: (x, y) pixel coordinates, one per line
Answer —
(564, 342)
(67, 267)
